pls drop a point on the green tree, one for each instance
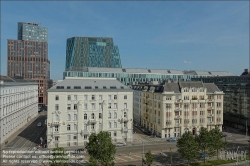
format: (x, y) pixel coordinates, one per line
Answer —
(217, 142)
(149, 158)
(59, 157)
(204, 142)
(188, 147)
(101, 149)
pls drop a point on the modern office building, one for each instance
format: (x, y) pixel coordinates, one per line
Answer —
(78, 107)
(236, 99)
(132, 76)
(27, 57)
(92, 52)
(32, 31)
(18, 105)
(170, 109)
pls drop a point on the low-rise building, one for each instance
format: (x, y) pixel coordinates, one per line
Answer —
(18, 105)
(170, 109)
(78, 107)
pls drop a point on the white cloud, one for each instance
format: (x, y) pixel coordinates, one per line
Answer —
(186, 62)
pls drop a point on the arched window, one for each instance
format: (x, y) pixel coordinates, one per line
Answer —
(92, 116)
(68, 127)
(125, 114)
(85, 116)
(69, 117)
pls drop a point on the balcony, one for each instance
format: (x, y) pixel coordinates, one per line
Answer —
(125, 129)
(210, 107)
(92, 121)
(178, 101)
(55, 123)
(210, 100)
(92, 131)
(177, 117)
(209, 115)
(84, 132)
(125, 119)
(177, 109)
(177, 124)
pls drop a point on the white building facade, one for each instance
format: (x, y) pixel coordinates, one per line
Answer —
(18, 104)
(78, 107)
(171, 109)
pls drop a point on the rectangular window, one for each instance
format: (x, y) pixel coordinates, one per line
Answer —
(56, 138)
(93, 106)
(100, 97)
(85, 106)
(56, 107)
(56, 128)
(85, 97)
(125, 97)
(68, 137)
(68, 143)
(109, 97)
(75, 117)
(100, 126)
(115, 97)
(100, 115)
(69, 97)
(115, 125)
(57, 97)
(92, 126)
(93, 97)
(74, 137)
(125, 105)
(114, 134)
(85, 136)
(68, 107)
(109, 105)
(100, 105)
(75, 97)
(115, 105)
(75, 106)
(75, 127)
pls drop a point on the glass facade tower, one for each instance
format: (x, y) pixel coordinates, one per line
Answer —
(32, 31)
(92, 52)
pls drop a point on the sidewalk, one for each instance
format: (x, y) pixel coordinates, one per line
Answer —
(14, 135)
(242, 163)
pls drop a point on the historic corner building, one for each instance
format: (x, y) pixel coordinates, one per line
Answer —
(92, 52)
(27, 57)
(78, 107)
(236, 98)
(170, 109)
(18, 105)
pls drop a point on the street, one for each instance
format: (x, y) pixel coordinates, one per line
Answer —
(126, 155)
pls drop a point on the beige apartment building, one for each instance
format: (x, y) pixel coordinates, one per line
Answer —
(78, 107)
(171, 109)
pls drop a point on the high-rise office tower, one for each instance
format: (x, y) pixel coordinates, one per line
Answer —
(27, 57)
(92, 52)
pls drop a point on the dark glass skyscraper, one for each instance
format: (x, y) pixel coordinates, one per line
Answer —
(92, 52)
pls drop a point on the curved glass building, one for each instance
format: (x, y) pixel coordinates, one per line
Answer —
(92, 52)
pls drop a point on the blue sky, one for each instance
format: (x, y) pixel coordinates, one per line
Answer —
(189, 35)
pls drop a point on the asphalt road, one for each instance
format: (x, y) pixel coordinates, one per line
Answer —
(28, 138)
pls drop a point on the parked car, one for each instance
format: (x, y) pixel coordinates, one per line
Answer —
(39, 124)
(120, 144)
(78, 151)
(171, 139)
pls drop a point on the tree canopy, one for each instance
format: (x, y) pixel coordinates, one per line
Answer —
(188, 147)
(101, 149)
(149, 158)
(59, 157)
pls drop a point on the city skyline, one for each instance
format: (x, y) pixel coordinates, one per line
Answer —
(161, 35)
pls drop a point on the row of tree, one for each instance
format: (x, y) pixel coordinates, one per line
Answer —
(205, 144)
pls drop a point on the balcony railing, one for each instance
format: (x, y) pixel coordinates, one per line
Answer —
(92, 121)
(178, 101)
(210, 100)
(125, 129)
(177, 117)
(177, 109)
(210, 107)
